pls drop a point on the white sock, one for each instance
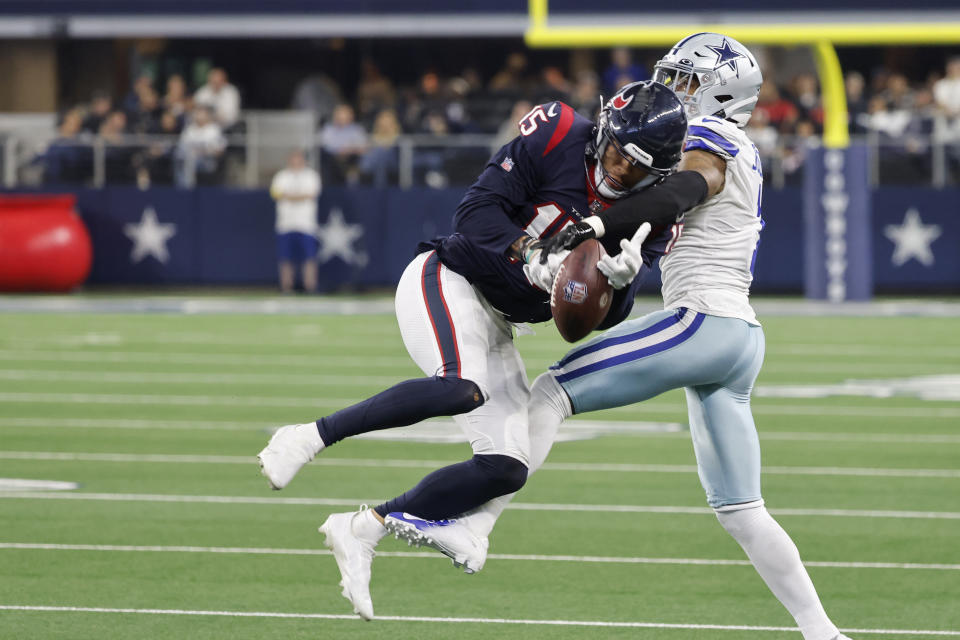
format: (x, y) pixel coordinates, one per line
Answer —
(481, 520)
(776, 559)
(309, 429)
(549, 407)
(366, 527)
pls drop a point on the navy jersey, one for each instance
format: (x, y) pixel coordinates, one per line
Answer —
(536, 184)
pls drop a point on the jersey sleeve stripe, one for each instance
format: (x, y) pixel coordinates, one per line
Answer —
(697, 143)
(715, 138)
(563, 127)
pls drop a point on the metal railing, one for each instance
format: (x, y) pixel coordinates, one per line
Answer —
(250, 159)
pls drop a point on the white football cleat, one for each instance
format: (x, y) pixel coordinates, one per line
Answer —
(452, 538)
(842, 637)
(354, 556)
(289, 449)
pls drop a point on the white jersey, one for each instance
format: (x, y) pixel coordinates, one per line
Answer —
(710, 267)
(296, 214)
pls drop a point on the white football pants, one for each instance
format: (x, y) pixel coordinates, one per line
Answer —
(450, 330)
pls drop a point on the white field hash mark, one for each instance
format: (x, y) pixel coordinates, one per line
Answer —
(555, 623)
(519, 506)
(38, 546)
(432, 464)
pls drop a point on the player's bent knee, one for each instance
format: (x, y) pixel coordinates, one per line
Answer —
(505, 474)
(460, 395)
(739, 519)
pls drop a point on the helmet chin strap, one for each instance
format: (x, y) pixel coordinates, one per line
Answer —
(615, 194)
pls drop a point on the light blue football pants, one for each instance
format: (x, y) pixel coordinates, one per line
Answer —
(716, 360)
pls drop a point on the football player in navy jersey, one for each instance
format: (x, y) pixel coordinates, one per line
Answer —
(457, 300)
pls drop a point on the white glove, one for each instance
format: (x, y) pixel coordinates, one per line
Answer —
(542, 275)
(622, 269)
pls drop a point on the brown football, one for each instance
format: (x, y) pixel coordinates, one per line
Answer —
(581, 296)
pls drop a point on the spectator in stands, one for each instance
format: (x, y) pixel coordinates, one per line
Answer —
(946, 94)
(510, 128)
(946, 91)
(176, 100)
(455, 109)
(69, 158)
(854, 84)
(375, 92)
(380, 160)
(881, 118)
(890, 125)
(146, 119)
(794, 151)
(131, 102)
(117, 150)
(512, 77)
(200, 149)
(622, 70)
(553, 86)
(781, 113)
(221, 97)
(100, 106)
(898, 93)
(472, 77)
(432, 160)
(318, 94)
(296, 189)
(344, 140)
(429, 97)
(585, 97)
(764, 135)
(154, 164)
(805, 91)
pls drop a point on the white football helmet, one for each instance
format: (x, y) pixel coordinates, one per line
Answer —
(728, 76)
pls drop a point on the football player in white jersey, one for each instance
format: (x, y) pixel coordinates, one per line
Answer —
(707, 339)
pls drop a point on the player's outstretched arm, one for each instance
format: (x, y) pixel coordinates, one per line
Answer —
(701, 175)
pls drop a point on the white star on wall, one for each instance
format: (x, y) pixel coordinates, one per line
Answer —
(912, 239)
(149, 237)
(337, 238)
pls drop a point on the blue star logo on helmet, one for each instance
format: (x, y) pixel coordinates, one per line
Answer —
(726, 56)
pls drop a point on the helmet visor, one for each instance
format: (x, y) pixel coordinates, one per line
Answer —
(678, 78)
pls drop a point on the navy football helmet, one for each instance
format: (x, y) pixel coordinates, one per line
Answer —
(646, 124)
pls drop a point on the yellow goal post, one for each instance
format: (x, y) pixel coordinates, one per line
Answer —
(822, 37)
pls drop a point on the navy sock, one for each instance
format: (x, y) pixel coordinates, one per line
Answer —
(401, 405)
(450, 491)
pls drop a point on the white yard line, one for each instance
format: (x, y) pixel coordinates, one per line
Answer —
(314, 362)
(433, 464)
(620, 427)
(323, 401)
(384, 305)
(820, 350)
(37, 546)
(183, 400)
(514, 621)
(873, 438)
(361, 379)
(519, 506)
(146, 377)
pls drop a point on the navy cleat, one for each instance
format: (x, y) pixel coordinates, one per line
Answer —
(452, 538)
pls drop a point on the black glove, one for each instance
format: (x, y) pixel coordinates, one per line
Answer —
(568, 238)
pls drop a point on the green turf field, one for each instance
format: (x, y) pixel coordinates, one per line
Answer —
(158, 418)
